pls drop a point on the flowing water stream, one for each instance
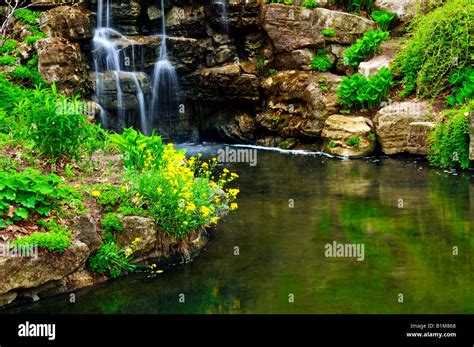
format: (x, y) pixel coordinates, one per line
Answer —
(408, 217)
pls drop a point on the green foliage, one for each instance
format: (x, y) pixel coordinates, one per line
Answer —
(372, 137)
(324, 89)
(57, 127)
(111, 260)
(332, 144)
(383, 18)
(359, 91)
(111, 222)
(320, 61)
(52, 241)
(7, 60)
(136, 147)
(439, 44)
(27, 16)
(328, 32)
(32, 75)
(9, 46)
(449, 140)
(356, 5)
(288, 2)
(272, 72)
(33, 38)
(462, 82)
(353, 141)
(364, 48)
(310, 3)
(29, 192)
(110, 197)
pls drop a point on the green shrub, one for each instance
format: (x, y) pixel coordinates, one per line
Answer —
(449, 140)
(462, 86)
(310, 3)
(328, 32)
(383, 18)
(136, 147)
(364, 48)
(332, 144)
(7, 60)
(272, 72)
(27, 16)
(111, 260)
(111, 222)
(362, 92)
(32, 75)
(29, 192)
(57, 127)
(320, 61)
(356, 5)
(439, 44)
(56, 240)
(9, 46)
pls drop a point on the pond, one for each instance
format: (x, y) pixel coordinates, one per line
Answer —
(269, 256)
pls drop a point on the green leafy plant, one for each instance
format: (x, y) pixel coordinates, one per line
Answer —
(9, 46)
(29, 192)
(111, 222)
(383, 18)
(328, 32)
(321, 62)
(288, 2)
(58, 239)
(24, 73)
(324, 89)
(364, 48)
(7, 60)
(272, 72)
(359, 91)
(449, 140)
(111, 260)
(332, 144)
(353, 141)
(439, 44)
(310, 3)
(27, 16)
(462, 82)
(136, 147)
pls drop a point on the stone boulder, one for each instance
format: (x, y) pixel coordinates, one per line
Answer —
(28, 272)
(239, 14)
(71, 22)
(348, 136)
(298, 103)
(86, 232)
(61, 61)
(299, 59)
(388, 50)
(136, 227)
(292, 27)
(418, 137)
(405, 9)
(126, 17)
(222, 83)
(392, 125)
(233, 127)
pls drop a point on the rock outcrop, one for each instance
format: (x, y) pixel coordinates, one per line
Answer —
(295, 27)
(348, 136)
(71, 22)
(393, 123)
(62, 62)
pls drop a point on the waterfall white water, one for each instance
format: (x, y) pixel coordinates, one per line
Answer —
(165, 80)
(224, 17)
(107, 58)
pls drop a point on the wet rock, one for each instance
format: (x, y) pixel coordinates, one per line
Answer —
(293, 27)
(126, 17)
(107, 94)
(348, 136)
(7, 298)
(221, 83)
(241, 14)
(27, 272)
(61, 61)
(418, 137)
(136, 227)
(392, 124)
(238, 128)
(288, 143)
(71, 22)
(269, 141)
(296, 104)
(188, 21)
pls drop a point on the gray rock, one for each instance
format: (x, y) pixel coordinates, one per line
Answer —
(87, 232)
(136, 227)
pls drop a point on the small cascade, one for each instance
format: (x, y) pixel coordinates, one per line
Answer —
(164, 81)
(223, 4)
(106, 56)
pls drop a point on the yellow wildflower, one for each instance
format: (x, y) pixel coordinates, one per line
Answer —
(214, 220)
(234, 206)
(95, 193)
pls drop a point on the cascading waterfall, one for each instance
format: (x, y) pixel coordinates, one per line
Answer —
(224, 17)
(107, 58)
(165, 80)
